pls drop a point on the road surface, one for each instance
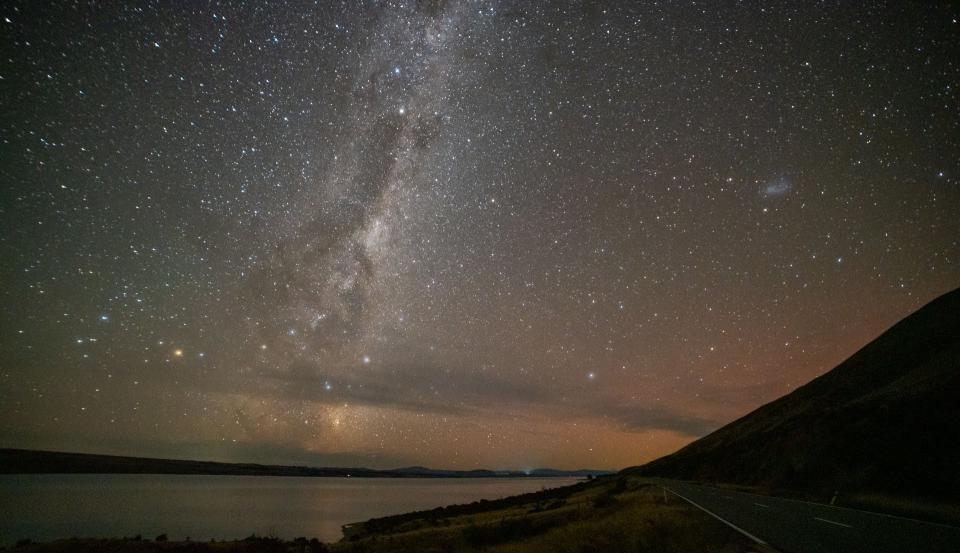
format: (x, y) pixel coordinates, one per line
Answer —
(792, 526)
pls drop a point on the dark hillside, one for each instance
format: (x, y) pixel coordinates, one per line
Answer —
(886, 420)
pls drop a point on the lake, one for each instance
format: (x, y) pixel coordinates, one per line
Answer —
(45, 507)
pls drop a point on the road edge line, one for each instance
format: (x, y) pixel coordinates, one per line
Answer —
(714, 515)
(833, 522)
(837, 507)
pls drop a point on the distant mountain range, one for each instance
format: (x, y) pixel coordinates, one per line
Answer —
(479, 473)
(886, 420)
(26, 461)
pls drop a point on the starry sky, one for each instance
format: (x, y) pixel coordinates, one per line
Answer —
(457, 234)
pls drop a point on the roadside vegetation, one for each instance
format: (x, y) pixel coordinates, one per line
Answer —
(611, 514)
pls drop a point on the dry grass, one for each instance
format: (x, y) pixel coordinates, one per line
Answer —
(620, 515)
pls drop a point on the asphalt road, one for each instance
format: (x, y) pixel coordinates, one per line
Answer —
(792, 526)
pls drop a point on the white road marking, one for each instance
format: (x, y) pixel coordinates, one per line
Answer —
(832, 522)
(711, 513)
(762, 505)
(837, 508)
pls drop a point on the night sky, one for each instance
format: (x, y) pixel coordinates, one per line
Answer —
(457, 234)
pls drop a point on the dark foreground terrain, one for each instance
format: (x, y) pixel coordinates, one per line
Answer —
(608, 515)
(624, 513)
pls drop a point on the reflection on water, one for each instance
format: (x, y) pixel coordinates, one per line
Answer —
(46, 507)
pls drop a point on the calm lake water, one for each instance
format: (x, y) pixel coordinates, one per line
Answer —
(47, 507)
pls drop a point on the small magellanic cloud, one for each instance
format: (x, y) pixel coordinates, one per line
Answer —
(777, 187)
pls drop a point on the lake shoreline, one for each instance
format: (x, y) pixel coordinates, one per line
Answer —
(606, 514)
(50, 507)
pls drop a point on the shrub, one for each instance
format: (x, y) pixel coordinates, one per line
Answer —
(604, 500)
(508, 529)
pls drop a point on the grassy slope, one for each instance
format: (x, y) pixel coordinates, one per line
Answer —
(882, 423)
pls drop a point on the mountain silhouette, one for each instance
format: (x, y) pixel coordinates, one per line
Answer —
(886, 420)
